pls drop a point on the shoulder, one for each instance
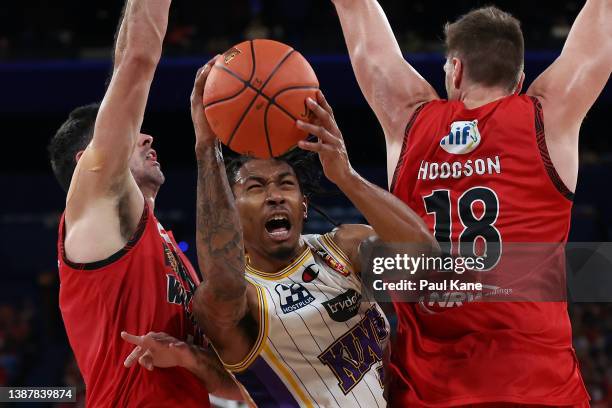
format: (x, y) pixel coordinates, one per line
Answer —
(349, 235)
(348, 238)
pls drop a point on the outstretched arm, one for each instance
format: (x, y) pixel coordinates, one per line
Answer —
(390, 219)
(102, 186)
(221, 302)
(392, 87)
(570, 86)
(103, 168)
(163, 351)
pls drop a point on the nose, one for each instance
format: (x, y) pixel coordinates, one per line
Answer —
(274, 195)
(145, 140)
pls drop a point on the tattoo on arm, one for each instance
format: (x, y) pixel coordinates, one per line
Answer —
(219, 233)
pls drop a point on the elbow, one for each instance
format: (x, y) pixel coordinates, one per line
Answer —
(220, 303)
(142, 57)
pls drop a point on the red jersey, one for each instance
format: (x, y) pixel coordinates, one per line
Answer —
(471, 174)
(146, 286)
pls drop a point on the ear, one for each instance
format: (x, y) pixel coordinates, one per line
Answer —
(77, 157)
(519, 86)
(457, 72)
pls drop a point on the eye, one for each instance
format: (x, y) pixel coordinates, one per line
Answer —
(288, 182)
(253, 187)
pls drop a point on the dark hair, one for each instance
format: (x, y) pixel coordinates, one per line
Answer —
(490, 43)
(305, 164)
(74, 135)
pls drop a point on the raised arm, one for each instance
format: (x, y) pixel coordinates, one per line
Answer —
(102, 188)
(390, 219)
(222, 303)
(570, 86)
(392, 87)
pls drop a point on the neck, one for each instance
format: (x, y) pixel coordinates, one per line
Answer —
(266, 263)
(475, 96)
(149, 192)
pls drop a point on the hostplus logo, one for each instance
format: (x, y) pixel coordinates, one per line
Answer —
(293, 296)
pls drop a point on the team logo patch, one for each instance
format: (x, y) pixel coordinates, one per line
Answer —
(310, 273)
(463, 137)
(343, 307)
(293, 296)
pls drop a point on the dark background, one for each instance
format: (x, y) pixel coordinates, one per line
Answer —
(54, 56)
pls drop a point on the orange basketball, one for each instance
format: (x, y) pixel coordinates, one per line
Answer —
(254, 94)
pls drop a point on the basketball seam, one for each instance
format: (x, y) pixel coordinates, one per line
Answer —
(245, 84)
(228, 97)
(259, 92)
(271, 102)
(273, 99)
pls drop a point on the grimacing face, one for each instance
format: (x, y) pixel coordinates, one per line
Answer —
(143, 162)
(272, 208)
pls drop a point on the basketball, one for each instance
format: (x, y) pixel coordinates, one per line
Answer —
(254, 94)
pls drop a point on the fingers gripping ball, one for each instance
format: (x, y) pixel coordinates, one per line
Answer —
(254, 94)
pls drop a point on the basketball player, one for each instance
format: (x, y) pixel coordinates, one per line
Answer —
(515, 157)
(287, 317)
(119, 268)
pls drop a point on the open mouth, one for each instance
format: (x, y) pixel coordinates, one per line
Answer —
(278, 227)
(152, 156)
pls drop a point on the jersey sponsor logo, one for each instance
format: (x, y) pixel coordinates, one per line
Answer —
(463, 137)
(352, 355)
(310, 273)
(343, 307)
(436, 302)
(332, 263)
(459, 169)
(176, 292)
(293, 297)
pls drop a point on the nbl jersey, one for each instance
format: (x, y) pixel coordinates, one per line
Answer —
(319, 344)
(475, 174)
(146, 286)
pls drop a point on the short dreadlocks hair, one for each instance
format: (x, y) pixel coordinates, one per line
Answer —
(305, 164)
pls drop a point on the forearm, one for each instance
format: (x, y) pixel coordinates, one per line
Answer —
(141, 30)
(391, 219)
(219, 232)
(389, 83)
(366, 29)
(137, 52)
(205, 365)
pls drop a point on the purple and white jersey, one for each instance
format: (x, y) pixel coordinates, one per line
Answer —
(319, 343)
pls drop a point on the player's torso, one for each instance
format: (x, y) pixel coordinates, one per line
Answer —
(475, 176)
(483, 171)
(321, 343)
(147, 286)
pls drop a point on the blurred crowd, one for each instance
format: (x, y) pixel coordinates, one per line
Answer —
(84, 29)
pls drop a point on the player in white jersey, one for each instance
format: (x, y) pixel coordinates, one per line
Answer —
(283, 310)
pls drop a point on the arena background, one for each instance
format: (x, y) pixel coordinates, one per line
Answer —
(55, 56)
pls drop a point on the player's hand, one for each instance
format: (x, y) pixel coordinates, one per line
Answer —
(203, 132)
(330, 145)
(157, 350)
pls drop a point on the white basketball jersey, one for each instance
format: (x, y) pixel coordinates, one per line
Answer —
(319, 344)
